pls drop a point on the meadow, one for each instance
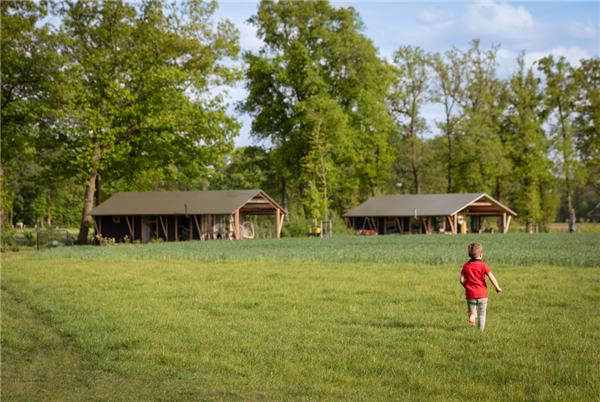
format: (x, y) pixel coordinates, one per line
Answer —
(165, 322)
(566, 249)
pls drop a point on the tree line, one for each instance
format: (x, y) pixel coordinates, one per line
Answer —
(119, 97)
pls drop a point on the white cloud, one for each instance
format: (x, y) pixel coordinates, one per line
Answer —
(431, 15)
(583, 31)
(572, 54)
(500, 20)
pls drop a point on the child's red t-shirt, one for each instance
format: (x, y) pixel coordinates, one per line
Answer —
(475, 285)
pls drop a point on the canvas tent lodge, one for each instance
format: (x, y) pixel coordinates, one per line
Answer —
(180, 216)
(428, 213)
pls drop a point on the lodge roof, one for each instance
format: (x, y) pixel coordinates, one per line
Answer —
(427, 205)
(198, 203)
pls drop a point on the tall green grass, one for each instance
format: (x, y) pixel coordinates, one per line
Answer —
(566, 249)
(127, 330)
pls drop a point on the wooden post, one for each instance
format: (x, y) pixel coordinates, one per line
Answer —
(507, 223)
(130, 228)
(429, 224)
(198, 227)
(237, 224)
(164, 229)
(277, 220)
(455, 226)
(280, 225)
(503, 222)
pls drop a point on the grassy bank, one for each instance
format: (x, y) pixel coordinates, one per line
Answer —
(122, 329)
(560, 249)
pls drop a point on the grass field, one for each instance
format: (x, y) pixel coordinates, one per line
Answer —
(176, 326)
(567, 250)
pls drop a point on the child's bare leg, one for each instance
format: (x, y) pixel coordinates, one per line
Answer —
(472, 317)
(481, 306)
(472, 310)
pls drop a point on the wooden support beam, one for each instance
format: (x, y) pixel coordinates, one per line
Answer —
(399, 225)
(198, 227)
(237, 224)
(130, 228)
(164, 229)
(280, 225)
(277, 216)
(481, 204)
(375, 223)
(507, 224)
(504, 222)
(451, 222)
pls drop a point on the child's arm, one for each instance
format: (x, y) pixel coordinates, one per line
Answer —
(494, 282)
(463, 280)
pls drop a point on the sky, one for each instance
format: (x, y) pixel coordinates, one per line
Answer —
(540, 28)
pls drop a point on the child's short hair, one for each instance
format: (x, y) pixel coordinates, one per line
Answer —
(475, 250)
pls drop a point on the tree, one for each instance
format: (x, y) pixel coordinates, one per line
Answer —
(528, 146)
(480, 157)
(587, 121)
(30, 74)
(136, 90)
(447, 86)
(318, 161)
(407, 97)
(316, 61)
(561, 94)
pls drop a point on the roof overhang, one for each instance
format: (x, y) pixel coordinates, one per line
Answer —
(225, 202)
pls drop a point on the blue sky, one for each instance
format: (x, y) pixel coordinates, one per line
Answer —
(539, 28)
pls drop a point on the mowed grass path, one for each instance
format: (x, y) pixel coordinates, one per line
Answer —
(123, 329)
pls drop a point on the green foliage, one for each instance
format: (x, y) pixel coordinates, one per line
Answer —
(529, 148)
(561, 94)
(291, 90)
(587, 121)
(136, 92)
(409, 93)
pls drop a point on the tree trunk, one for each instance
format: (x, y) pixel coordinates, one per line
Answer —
(415, 167)
(49, 218)
(1, 203)
(569, 203)
(374, 188)
(87, 207)
(325, 200)
(284, 196)
(98, 191)
(449, 162)
(498, 189)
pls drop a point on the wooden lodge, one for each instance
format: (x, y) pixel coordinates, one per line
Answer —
(183, 215)
(428, 213)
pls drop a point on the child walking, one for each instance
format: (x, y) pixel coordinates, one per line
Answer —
(472, 277)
